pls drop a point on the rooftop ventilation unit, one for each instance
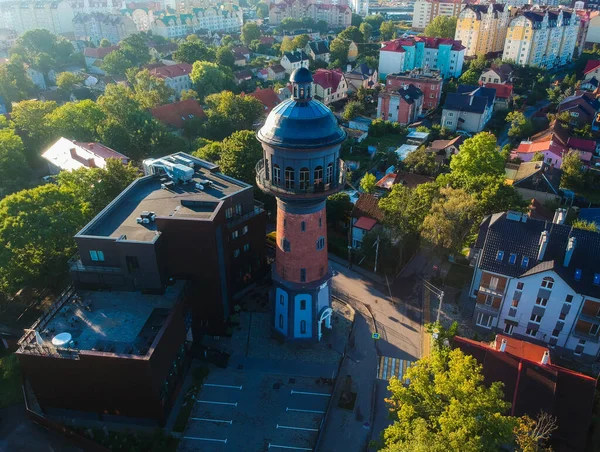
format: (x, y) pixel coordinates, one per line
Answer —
(177, 172)
(146, 217)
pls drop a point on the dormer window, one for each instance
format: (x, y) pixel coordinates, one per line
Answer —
(577, 275)
(512, 259)
(500, 256)
(597, 279)
(525, 261)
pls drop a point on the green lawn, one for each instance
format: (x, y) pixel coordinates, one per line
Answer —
(384, 142)
(10, 381)
(458, 276)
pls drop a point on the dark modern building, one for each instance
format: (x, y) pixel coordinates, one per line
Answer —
(158, 267)
(301, 167)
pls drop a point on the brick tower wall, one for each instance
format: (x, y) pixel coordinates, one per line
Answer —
(304, 252)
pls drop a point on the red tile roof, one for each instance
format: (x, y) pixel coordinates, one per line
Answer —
(503, 91)
(268, 97)
(177, 113)
(582, 144)
(99, 52)
(174, 70)
(326, 78)
(365, 223)
(531, 386)
(367, 205)
(431, 43)
(591, 65)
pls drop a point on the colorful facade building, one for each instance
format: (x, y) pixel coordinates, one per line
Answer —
(301, 167)
(337, 14)
(405, 54)
(482, 28)
(403, 105)
(430, 83)
(426, 10)
(542, 37)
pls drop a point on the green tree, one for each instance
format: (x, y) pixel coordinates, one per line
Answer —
(375, 20)
(189, 94)
(229, 112)
(135, 48)
(447, 406)
(150, 91)
(29, 119)
(352, 109)
(211, 152)
(36, 236)
(115, 63)
(450, 219)
(322, 26)
(470, 77)
(262, 10)
(105, 43)
(76, 120)
(520, 126)
(287, 45)
(441, 27)
(227, 40)
(387, 30)
(477, 157)
(225, 57)
(538, 157)
(14, 170)
(42, 50)
(15, 84)
(239, 155)
(192, 51)
(367, 183)
(66, 81)
(250, 32)
(95, 188)
(585, 225)
(367, 31)
(339, 208)
(573, 173)
(357, 20)
(421, 162)
(338, 50)
(351, 34)
(208, 78)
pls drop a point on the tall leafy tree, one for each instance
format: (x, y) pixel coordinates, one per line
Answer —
(470, 77)
(239, 155)
(135, 49)
(209, 78)
(36, 236)
(250, 32)
(367, 31)
(116, 63)
(367, 183)
(478, 157)
(441, 27)
(387, 30)
(225, 57)
(14, 170)
(573, 174)
(262, 10)
(150, 91)
(447, 406)
(338, 50)
(29, 118)
(42, 49)
(229, 112)
(520, 126)
(15, 84)
(339, 208)
(351, 34)
(192, 51)
(421, 162)
(76, 120)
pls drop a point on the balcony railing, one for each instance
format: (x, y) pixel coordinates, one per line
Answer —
(76, 265)
(295, 189)
(257, 210)
(586, 336)
(486, 288)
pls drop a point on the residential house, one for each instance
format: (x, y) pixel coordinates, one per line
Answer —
(497, 73)
(362, 76)
(419, 52)
(330, 85)
(294, 60)
(504, 95)
(276, 72)
(68, 155)
(97, 26)
(37, 77)
(469, 109)
(240, 77)
(430, 83)
(591, 76)
(444, 149)
(409, 180)
(160, 51)
(337, 14)
(583, 108)
(8, 38)
(482, 28)
(424, 11)
(268, 97)
(176, 114)
(263, 74)
(538, 281)
(243, 51)
(318, 50)
(403, 106)
(537, 180)
(366, 217)
(534, 384)
(95, 56)
(542, 36)
(176, 76)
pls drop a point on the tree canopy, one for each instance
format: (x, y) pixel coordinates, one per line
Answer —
(478, 157)
(228, 112)
(14, 170)
(387, 30)
(192, 51)
(149, 91)
(209, 78)
(250, 32)
(573, 174)
(367, 183)
(441, 27)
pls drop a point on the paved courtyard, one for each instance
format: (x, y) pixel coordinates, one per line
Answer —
(242, 411)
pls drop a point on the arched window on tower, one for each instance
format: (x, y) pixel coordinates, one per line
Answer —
(289, 177)
(318, 176)
(329, 175)
(303, 327)
(276, 175)
(304, 178)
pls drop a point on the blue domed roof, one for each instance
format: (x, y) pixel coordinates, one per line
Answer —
(301, 75)
(301, 124)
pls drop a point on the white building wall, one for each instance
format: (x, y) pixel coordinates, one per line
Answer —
(390, 62)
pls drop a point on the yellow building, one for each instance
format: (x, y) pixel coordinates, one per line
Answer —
(482, 28)
(542, 37)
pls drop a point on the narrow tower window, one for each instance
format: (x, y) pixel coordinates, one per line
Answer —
(289, 177)
(276, 175)
(304, 178)
(329, 176)
(318, 176)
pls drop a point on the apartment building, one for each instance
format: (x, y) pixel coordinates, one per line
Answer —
(469, 109)
(180, 25)
(540, 281)
(419, 52)
(402, 106)
(425, 11)
(97, 26)
(542, 37)
(429, 83)
(55, 17)
(176, 76)
(336, 14)
(360, 7)
(482, 28)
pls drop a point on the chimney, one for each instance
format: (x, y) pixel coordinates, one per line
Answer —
(542, 245)
(503, 345)
(570, 249)
(545, 358)
(91, 163)
(91, 145)
(73, 152)
(560, 216)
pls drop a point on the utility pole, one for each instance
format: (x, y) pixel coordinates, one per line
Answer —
(376, 254)
(440, 295)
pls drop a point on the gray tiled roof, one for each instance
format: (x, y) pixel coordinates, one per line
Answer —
(499, 233)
